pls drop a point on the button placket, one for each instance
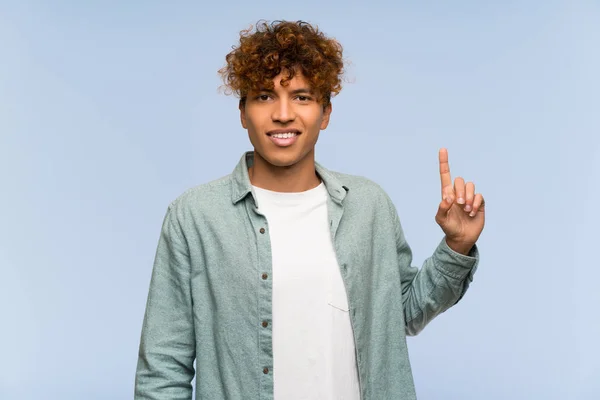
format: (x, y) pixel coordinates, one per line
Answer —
(264, 305)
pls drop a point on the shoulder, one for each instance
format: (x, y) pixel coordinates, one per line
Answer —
(203, 198)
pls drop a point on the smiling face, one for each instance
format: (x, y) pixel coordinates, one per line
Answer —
(284, 123)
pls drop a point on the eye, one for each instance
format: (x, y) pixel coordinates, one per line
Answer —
(304, 98)
(263, 97)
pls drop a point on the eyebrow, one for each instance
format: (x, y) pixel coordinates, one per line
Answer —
(302, 90)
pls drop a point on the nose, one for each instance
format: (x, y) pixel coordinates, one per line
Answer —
(283, 112)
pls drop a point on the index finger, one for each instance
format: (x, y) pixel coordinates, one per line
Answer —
(444, 170)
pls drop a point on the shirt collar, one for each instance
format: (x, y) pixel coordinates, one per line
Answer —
(241, 186)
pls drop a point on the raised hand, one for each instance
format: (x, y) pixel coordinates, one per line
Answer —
(461, 213)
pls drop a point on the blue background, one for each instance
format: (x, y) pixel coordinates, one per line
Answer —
(109, 110)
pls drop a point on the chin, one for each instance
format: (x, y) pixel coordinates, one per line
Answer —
(283, 159)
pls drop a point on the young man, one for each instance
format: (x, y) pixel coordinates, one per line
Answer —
(285, 280)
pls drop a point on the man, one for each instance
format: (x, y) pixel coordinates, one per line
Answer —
(286, 280)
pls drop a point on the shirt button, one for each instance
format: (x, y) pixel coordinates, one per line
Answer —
(262, 230)
(265, 371)
(265, 324)
(265, 276)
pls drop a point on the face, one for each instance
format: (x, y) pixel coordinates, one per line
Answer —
(284, 123)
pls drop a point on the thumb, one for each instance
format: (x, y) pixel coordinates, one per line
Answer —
(443, 208)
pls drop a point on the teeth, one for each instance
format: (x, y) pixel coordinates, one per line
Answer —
(286, 135)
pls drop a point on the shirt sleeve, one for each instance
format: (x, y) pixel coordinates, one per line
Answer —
(439, 284)
(165, 366)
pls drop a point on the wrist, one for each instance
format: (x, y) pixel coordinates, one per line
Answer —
(460, 247)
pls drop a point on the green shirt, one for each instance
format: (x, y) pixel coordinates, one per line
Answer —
(211, 291)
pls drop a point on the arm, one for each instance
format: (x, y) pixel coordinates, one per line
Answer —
(167, 351)
(440, 283)
(445, 276)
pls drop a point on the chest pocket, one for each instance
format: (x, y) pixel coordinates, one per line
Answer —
(336, 291)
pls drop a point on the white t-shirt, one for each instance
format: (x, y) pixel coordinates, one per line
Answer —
(313, 343)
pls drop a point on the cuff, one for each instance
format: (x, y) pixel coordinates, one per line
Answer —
(453, 264)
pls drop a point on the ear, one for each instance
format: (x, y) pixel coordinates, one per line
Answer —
(326, 114)
(242, 108)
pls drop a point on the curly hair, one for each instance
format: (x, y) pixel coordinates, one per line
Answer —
(290, 47)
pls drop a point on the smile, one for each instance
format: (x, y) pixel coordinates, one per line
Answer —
(286, 135)
(283, 139)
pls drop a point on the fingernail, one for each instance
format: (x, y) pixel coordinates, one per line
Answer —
(448, 200)
(472, 214)
(467, 208)
(461, 200)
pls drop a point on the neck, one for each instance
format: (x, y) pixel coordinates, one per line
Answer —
(299, 177)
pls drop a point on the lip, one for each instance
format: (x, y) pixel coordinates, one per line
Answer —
(283, 142)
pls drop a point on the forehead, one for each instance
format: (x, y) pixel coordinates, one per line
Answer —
(297, 82)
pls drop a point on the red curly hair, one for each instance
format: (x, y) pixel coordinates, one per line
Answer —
(286, 46)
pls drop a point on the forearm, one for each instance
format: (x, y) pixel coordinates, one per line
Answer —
(438, 285)
(166, 357)
(163, 372)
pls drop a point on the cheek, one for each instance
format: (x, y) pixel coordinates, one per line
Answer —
(253, 133)
(313, 120)
(249, 124)
(253, 120)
